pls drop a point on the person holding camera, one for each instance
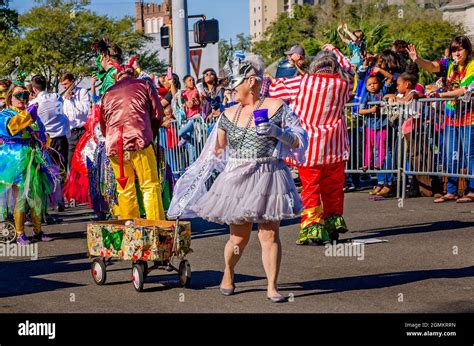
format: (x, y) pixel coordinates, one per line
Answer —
(76, 105)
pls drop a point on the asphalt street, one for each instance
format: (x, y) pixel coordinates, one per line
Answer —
(426, 264)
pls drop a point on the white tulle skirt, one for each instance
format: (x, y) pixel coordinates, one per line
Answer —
(255, 192)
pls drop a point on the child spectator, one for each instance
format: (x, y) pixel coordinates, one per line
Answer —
(363, 72)
(191, 97)
(375, 125)
(400, 47)
(168, 118)
(377, 133)
(413, 69)
(356, 44)
(406, 88)
(192, 108)
(416, 137)
(389, 65)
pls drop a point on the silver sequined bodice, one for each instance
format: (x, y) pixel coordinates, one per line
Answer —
(245, 143)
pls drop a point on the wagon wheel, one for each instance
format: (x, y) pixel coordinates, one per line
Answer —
(99, 271)
(334, 236)
(138, 277)
(7, 232)
(145, 268)
(184, 273)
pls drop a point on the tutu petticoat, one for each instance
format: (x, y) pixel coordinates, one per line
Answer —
(255, 192)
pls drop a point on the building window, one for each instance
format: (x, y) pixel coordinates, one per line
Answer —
(254, 10)
(254, 23)
(265, 8)
(147, 26)
(259, 20)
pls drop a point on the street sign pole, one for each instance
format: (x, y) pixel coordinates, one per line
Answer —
(180, 37)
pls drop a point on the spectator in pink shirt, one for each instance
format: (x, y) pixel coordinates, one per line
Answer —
(192, 108)
(192, 100)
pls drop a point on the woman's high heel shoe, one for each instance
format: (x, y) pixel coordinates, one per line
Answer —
(227, 291)
(278, 299)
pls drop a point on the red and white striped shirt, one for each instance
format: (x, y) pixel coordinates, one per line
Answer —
(319, 100)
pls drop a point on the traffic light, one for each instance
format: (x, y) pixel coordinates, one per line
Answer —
(165, 36)
(206, 31)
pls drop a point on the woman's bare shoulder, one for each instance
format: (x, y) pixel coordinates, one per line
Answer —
(273, 105)
(229, 112)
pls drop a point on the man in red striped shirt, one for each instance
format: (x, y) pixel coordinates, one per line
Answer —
(318, 98)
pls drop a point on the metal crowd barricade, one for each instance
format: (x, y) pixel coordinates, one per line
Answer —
(427, 137)
(375, 147)
(182, 149)
(438, 139)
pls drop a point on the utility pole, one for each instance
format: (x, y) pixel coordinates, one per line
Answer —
(170, 53)
(179, 9)
(142, 15)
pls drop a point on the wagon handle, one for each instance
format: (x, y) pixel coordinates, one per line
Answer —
(175, 240)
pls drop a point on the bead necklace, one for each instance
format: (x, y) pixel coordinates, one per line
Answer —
(236, 118)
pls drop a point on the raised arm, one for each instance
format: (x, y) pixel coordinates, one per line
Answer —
(341, 59)
(285, 88)
(430, 66)
(341, 36)
(350, 34)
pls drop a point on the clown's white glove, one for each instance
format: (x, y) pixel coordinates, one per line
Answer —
(271, 130)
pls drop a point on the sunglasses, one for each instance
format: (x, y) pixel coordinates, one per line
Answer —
(23, 95)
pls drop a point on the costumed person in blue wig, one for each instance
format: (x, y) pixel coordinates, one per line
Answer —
(27, 172)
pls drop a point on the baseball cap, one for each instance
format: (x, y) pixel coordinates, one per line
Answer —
(296, 49)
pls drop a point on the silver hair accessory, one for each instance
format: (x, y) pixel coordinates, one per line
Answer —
(241, 66)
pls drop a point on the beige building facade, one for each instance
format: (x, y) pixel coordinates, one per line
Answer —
(462, 12)
(263, 12)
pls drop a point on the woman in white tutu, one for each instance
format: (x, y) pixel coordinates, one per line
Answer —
(254, 185)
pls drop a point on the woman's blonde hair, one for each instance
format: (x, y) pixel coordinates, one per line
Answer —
(8, 98)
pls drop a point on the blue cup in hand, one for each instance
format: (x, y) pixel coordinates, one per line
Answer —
(260, 117)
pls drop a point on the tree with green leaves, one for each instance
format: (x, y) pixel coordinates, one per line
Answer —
(226, 48)
(8, 19)
(55, 37)
(313, 26)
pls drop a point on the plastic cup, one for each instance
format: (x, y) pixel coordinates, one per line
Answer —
(260, 117)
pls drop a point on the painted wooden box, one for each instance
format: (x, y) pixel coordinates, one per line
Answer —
(145, 240)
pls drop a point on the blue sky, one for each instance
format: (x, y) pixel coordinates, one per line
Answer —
(233, 15)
